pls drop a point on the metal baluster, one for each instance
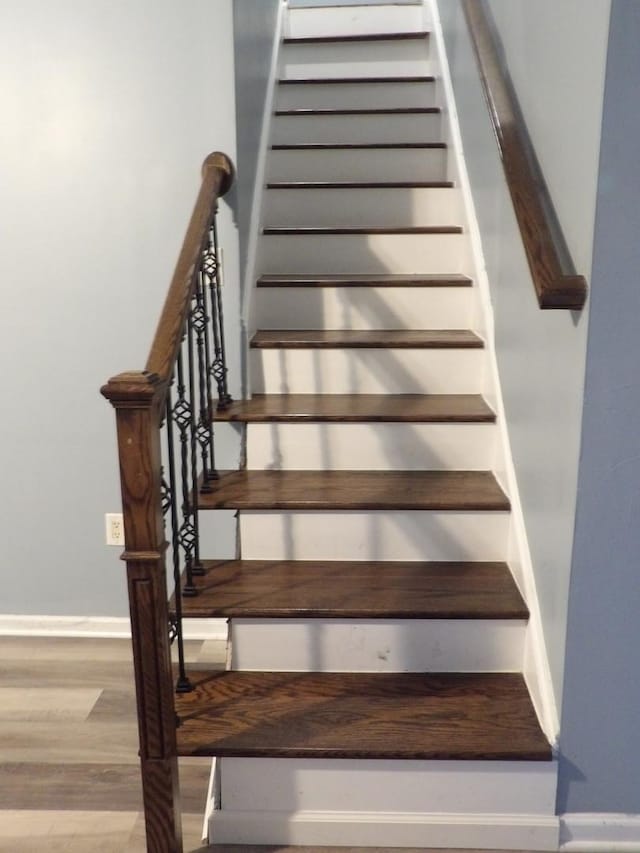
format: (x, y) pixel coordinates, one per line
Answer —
(211, 267)
(212, 471)
(183, 685)
(204, 429)
(197, 567)
(186, 534)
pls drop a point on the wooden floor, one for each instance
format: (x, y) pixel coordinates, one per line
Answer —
(69, 780)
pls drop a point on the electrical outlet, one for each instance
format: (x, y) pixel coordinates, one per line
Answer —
(114, 528)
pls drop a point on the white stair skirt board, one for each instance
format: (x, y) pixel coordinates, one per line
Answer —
(377, 645)
(339, 254)
(367, 371)
(356, 95)
(354, 59)
(352, 20)
(364, 307)
(376, 535)
(600, 833)
(358, 164)
(371, 446)
(334, 208)
(420, 127)
(388, 830)
(99, 627)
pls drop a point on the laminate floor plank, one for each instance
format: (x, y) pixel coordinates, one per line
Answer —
(46, 704)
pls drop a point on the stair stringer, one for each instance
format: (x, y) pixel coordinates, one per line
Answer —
(536, 661)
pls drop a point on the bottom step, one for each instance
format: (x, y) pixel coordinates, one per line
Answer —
(453, 716)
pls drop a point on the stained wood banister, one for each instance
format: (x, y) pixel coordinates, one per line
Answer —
(142, 401)
(556, 283)
(217, 178)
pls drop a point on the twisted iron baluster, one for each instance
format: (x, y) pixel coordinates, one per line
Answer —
(183, 685)
(204, 429)
(211, 268)
(181, 413)
(197, 567)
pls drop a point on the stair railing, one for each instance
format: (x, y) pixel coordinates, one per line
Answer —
(554, 277)
(164, 419)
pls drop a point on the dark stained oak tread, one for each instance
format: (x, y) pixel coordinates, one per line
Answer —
(355, 490)
(358, 230)
(461, 716)
(381, 111)
(357, 146)
(337, 81)
(418, 35)
(357, 408)
(390, 338)
(388, 280)
(351, 590)
(358, 185)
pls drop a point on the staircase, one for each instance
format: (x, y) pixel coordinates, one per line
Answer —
(375, 691)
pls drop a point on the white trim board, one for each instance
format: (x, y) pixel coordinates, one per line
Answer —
(379, 829)
(99, 627)
(600, 833)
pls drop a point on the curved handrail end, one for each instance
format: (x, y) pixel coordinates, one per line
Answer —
(221, 161)
(569, 291)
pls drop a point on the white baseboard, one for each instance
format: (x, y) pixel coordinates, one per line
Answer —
(600, 833)
(99, 627)
(393, 829)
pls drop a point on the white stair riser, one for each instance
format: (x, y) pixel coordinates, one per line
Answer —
(337, 254)
(371, 447)
(344, 207)
(356, 95)
(367, 371)
(358, 164)
(357, 129)
(364, 307)
(357, 59)
(350, 20)
(382, 645)
(409, 535)
(455, 787)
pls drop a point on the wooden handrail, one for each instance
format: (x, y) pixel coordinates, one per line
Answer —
(139, 398)
(217, 178)
(556, 283)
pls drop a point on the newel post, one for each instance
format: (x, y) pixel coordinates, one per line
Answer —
(138, 399)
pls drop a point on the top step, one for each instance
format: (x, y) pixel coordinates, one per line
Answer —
(354, 20)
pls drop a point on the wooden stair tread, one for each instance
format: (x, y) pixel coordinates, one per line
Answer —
(356, 230)
(388, 280)
(371, 111)
(356, 146)
(390, 338)
(358, 185)
(357, 408)
(417, 35)
(347, 81)
(355, 490)
(461, 716)
(349, 590)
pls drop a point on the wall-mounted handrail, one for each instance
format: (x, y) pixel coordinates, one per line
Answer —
(555, 280)
(161, 473)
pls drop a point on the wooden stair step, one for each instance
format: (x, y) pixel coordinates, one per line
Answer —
(347, 338)
(355, 490)
(348, 81)
(417, 35)
(461, 716)
(306, 231)
(355, 590)
(358, 185)
(359, 408)
(388, 280)
(380, 111)
(354, 146)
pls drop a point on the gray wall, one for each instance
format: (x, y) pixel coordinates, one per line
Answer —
(600, 740)
(254, 23)
(107, 113)
(541, 354)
